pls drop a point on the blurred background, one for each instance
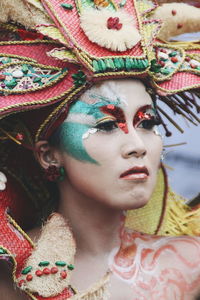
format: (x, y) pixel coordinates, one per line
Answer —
(183, 162)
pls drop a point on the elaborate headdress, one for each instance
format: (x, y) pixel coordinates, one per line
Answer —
(51, 52)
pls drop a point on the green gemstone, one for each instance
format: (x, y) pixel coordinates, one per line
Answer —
(102, 65)
(134, 63)
(96, 66)
(121, 62)
(11, 84)
(26, 270)
(117, 63)
(67, 6)
(44, 263)
(2, 251)
(145, 63)
(110, 64)
(174, 53)
(122, 3)
(25, 69)
(166, 71)
(128, 64)
(163, 59)
(60, 263)
(6, 61)
(37, 79)
(156, 68)
(140, 64)
(62, 171)
(70, 267)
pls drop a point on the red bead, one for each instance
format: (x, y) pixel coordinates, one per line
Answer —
(39, 273)
(122, 125)
(29, 277)
(162, 63)
(187, 58)
(54, 270)
(113, 23)
(63, 274)
(20, 137)
(174, 59)
(46, 271)
(163, 50)
(193, 66)
(2, 77)
(21, 282)
(179, 26)
(140, 115)
(174, 12)
(110, 106)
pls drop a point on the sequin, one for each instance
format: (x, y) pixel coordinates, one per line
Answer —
(118, 114)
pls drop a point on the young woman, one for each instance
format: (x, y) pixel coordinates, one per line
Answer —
(115, 233)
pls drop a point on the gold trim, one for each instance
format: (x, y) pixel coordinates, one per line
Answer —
(17, 56)
(28, 42)
(188, 88)
(42, 126)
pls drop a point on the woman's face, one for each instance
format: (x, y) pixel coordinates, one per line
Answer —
(109, 146)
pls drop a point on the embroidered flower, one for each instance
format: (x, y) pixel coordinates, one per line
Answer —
(3, 181)
(113, 30)
(79, 78)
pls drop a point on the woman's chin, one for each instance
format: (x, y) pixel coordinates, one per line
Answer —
(128, 203)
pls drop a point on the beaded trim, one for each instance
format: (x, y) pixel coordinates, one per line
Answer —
(18, 76)
(72, 95)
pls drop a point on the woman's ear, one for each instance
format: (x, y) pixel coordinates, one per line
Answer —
(47, 155)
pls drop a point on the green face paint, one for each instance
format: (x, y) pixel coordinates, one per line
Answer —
(81, 121)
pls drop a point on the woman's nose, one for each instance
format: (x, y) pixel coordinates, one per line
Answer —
(133, 146)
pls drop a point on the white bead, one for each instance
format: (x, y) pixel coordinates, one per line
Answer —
(93, 130)
(163, 55)
(3, 178)
(85, 135)
(2, 186)
(195, 62)
(18, 74)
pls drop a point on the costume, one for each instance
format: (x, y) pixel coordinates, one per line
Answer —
(64, 50)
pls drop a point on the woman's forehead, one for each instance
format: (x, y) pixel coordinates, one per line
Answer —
(120, 91)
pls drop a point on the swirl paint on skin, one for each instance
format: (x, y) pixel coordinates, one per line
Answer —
(165, 268)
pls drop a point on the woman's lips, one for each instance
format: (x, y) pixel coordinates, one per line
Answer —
(135, 173)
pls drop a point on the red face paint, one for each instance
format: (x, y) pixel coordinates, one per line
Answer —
(118, 114)
(144, 113)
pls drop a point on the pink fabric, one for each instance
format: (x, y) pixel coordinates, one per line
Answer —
(72, 31)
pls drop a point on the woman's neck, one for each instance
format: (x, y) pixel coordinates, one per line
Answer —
(95, 226)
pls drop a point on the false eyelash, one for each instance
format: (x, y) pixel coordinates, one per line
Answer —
(107, 126)
(150, 123)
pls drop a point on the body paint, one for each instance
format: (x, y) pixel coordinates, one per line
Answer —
(157, 267)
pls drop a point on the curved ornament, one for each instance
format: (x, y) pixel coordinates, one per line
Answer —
(114, 30)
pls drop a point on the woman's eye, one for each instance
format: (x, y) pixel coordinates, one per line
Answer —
(107, 126)
(148, 124)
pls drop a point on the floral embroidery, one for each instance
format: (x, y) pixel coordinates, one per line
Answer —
(17, 76)
(79, 78)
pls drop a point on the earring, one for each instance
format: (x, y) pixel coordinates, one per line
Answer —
(162, 157)
(54, 173)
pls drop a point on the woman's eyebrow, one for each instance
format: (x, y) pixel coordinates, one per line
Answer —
(145, 107)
